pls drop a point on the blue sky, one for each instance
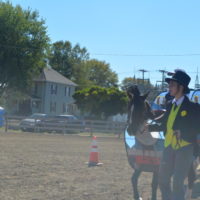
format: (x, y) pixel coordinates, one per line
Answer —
(116, 31)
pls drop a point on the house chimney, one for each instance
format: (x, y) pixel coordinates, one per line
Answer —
(47, 63)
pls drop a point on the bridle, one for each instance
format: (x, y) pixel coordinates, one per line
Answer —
(145, 116)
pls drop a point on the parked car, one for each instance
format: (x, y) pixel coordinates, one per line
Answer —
(31, 123)
(60, 123)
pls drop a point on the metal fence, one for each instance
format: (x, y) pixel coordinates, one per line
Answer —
(77, 126)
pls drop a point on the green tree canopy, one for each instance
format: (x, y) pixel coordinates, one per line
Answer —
(66, 58)
(73, 62)
(100, 74)
(101, 102)
(23, 45)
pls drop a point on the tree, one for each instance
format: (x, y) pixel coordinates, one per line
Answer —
(67, 59)
(23, 45)
(100, 74)
(73, 62)
(116, 103)
(132, 80)
(12, 99)
(101, 102)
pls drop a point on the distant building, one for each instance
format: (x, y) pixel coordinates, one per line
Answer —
(52, 93)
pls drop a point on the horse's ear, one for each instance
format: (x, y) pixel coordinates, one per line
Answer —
(145, 95)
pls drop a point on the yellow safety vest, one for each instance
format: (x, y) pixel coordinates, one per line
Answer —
(170, 137)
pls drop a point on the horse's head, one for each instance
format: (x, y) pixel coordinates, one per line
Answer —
(139, 110)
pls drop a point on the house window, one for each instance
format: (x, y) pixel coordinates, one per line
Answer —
(64, 108)
(71, 108)
(53, 89)
(66, 91)
(55, 106)
(52, 106)
(36, 89)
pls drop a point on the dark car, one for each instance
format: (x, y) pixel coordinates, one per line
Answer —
(31, 123)
(60, 124)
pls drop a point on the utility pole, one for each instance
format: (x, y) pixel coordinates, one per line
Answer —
(143, 71)
(197, 85)
(163, 72)
(134, 78)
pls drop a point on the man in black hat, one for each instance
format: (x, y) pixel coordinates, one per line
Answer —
(181, 125)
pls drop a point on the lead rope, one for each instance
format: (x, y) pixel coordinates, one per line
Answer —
(178, 140)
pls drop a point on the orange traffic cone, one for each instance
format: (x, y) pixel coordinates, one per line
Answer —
(94, 154)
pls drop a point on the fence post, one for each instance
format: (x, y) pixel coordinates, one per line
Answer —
(6, 123)
(35, 128)
(64, 130)
(119, 128)
(91, 132)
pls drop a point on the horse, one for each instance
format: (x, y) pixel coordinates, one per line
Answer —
(144, 149)
(139, 112)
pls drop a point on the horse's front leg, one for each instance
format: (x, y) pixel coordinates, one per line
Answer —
(154, 185)
(134, 181)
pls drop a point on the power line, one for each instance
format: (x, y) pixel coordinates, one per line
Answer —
(146, 55)
(151, 71)
(115, 54)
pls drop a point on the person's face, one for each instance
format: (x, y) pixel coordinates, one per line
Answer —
(175, 88)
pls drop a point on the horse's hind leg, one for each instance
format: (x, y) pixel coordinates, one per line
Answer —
(154, 185)
(134, 181)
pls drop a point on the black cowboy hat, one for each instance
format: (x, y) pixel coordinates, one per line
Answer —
(182, 78)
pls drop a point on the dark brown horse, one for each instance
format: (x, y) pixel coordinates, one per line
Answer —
(139, 111)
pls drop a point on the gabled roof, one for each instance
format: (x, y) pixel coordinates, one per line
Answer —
(51, 75)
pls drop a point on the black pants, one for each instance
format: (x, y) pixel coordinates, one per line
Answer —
(174, 163)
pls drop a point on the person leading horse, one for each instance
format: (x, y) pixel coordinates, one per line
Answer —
(181, 124)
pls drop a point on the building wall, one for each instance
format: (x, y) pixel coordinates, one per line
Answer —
(57, 97)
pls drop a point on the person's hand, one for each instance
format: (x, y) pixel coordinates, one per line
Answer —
(177, 133)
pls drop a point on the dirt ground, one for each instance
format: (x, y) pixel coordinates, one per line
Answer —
(52, 167)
